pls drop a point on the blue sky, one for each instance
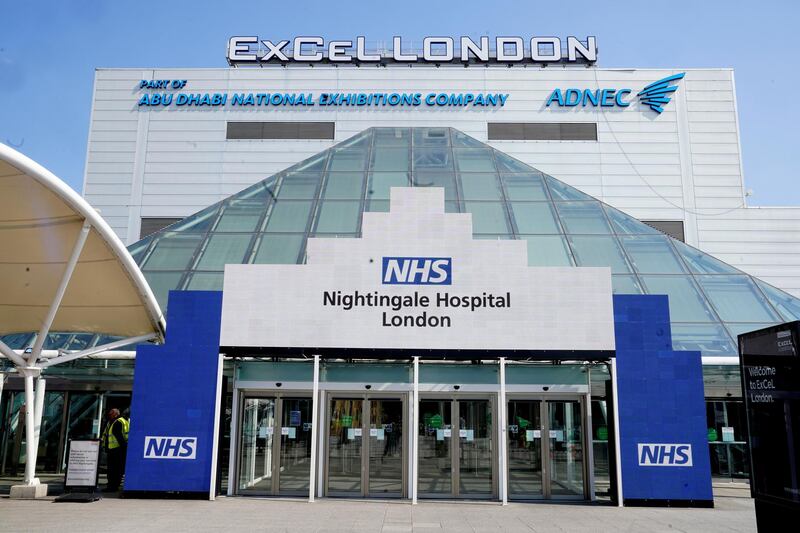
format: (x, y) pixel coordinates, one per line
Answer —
(49, 50)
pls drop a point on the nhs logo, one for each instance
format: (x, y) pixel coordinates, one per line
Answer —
(170, 447)
(417, 270)
(665, 454)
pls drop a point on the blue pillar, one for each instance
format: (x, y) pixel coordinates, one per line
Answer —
(662, 419)
(174, 410)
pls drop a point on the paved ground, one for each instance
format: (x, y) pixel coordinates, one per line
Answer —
(733, 512)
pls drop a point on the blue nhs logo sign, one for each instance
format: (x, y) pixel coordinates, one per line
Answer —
(170, 447)
(665, 454)
(417, 271)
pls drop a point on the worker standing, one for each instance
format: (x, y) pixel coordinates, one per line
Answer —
(115, 443)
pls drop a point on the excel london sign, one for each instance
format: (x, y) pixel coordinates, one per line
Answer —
(253, 50)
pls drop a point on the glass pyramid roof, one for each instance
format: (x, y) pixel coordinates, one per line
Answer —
(325, 195)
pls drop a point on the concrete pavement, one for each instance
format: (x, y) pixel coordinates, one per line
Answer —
(733, 512)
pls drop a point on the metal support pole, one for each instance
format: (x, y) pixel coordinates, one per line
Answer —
(235, 442)
(617, 440)
(415, 433)
(38, 407)
(62, 288)
(67, 357)
(30, 438)
(12, 356)
(314, 431)
(503, 423)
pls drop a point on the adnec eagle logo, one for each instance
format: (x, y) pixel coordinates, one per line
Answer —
(657, 94)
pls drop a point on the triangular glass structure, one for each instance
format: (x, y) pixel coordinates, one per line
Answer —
(269, 222)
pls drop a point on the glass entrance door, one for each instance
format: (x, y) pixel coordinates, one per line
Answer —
(546, 449)
(565, 440)
(456, 449)
(365, 447)
(525, 476)
(275, 446)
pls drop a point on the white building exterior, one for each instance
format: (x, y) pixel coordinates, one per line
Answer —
(684, 164)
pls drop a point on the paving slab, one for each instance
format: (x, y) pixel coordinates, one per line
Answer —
(731, 513)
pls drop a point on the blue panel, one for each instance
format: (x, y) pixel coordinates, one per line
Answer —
(661, 407)
(175, 397)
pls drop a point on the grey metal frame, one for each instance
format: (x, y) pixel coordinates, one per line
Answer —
(276, 446)
(455, 447)
(365, 424)
(544, 400)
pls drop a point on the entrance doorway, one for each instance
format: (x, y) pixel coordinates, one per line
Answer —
(456, 449)
(546, 450)
(275, 449)
(365, 447)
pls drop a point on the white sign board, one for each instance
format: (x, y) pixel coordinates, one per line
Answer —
(417, 280)
(84, 456)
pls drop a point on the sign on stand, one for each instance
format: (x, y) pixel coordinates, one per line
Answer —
(80, 480)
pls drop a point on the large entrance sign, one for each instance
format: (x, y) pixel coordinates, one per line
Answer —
(417, 280)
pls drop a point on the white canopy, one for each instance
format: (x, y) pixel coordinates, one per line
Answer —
(43, 224)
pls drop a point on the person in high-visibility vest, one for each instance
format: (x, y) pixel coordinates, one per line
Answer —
(115, 443)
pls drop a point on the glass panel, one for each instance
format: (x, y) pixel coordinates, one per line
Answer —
(224, 249)
(344, 446)
(599, 251)
(524, 449)
(566, 449)
(433, 159)
(461, 139)
(344, 186)
(487, 217)
(138, 249)
(702, 263)
(623, 223)
(583, 217)
(173, 251)
(685, 302)
(297, 186)
(480, 187)
(256, 445)
(161, 283)
(18, 341)
(315, 163)
(205, 281)
(83, 418)
(525, 187)
(475, 447)
(391, 159)
(380, 183)
(279, 249)
(600, 424)
(547, 250)
(736, 299)
(296, 445)
(474, 160)
(435, 437)
(431, 137)
(257, 191)
(351, 157)
(652, 254)
(392, 137)
(562, 192)
(710, 339)
(787, 305)
(506, 163)
(199, 222)
(240, 216)
(533, 218)
(744, 327)
(378, 206)
(453, 207)
(438, 179)
(386, 448)
(625, 285)
(289, 217)
(338, 217)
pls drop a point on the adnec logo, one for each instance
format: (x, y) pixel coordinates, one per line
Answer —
(170, 447)
(417, 271)
(655, 96)
(665, 454)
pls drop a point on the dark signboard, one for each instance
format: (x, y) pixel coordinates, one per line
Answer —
(770, 368)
